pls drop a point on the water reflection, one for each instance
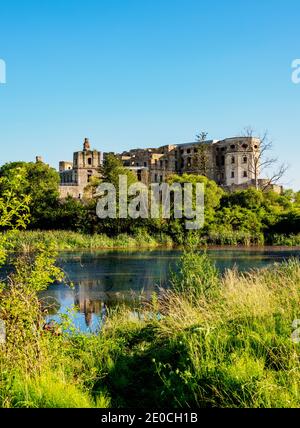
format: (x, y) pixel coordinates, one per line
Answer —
(89, 306)
(104, 279)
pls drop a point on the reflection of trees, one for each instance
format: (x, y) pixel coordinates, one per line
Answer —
(119, 272)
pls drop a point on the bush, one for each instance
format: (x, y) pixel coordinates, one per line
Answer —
(196, 275)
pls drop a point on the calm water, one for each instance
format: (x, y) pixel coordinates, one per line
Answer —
(103, 278)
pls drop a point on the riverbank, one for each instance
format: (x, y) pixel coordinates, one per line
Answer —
(25, 241)
(219, 341)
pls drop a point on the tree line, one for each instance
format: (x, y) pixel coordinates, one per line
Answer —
(249, 216)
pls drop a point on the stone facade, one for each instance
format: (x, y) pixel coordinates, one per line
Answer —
(229, 162)
(76, 175)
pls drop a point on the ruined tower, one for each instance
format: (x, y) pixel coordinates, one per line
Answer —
(76, 175)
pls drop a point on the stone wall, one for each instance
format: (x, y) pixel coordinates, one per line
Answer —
(226, 161)
(74, 191)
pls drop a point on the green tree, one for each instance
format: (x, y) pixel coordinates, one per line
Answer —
(40, 182)
(212, 192)
(212, 196)
(287, 223)
(251, 199)
(297, 198)
(14, 207)
(70, 214)
(238, 219)
(113, 167)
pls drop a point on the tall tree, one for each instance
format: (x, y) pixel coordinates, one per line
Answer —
(201, 159)
(200, 162)
(201, 136)
(113, 167)
(40, 182)
(263, 162)
(14, 207)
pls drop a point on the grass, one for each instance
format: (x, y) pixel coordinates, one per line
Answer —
(220, 341)
(66, 240)
(50, 390)
(230, 350)
(234, 237)
(285, 240)
(26, 241)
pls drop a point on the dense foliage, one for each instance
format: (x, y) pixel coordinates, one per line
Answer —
(215, 342)
(210, 341)
(246, 217)
(40, 183)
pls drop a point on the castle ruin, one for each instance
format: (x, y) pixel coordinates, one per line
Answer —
(228, 162)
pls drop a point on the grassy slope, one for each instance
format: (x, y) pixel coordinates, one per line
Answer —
(233, 350)
(229, 349)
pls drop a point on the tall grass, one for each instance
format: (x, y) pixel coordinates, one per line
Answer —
(211, 341)
(234, 350)
(285, 240)
(234, 237)
(50, 390)
(66, 240)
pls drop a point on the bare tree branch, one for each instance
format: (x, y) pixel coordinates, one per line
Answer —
(262, 162)
(201, 136)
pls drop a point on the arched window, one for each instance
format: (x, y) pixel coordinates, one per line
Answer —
(90, 161)
(245, 159)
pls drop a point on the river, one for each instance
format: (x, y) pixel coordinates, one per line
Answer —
(102, 279)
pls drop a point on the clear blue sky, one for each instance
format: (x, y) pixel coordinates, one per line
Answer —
(138, 73)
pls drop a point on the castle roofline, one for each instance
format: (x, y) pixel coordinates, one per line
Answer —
(198, 142)
(240, 136)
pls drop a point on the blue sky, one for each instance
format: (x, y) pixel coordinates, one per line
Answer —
(138, 73)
